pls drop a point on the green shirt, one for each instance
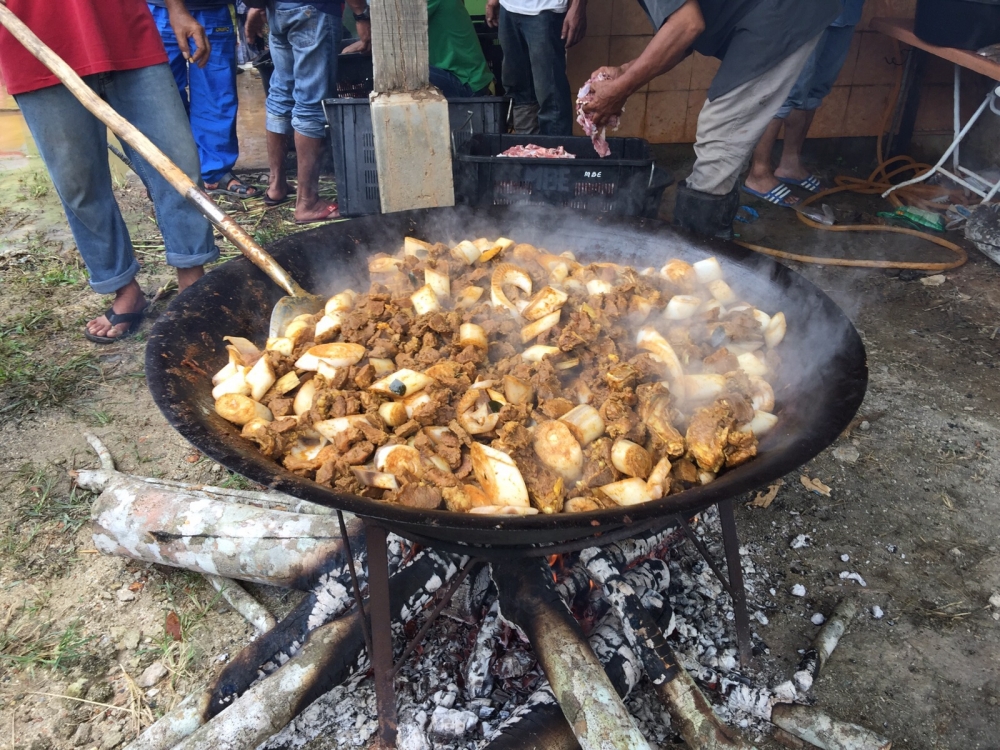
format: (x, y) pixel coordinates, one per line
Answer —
(454, 45)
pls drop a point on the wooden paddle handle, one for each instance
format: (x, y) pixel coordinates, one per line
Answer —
(156, 158)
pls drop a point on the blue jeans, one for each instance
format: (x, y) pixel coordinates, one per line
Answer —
(73, 145)
(534, 67)
(450, 86)
(820, 71)
(211, 103)
(305, 42)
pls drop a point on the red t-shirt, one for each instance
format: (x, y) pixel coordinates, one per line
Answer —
(93, 36)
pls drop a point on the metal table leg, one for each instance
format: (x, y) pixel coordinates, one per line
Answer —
(731, 543)
(381, 633)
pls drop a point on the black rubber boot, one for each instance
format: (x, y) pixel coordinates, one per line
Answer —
(703, 213)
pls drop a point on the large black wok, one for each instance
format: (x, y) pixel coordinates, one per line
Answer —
(820, 388)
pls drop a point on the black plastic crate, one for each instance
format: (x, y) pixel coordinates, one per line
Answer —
(353, 144)
(627, 182)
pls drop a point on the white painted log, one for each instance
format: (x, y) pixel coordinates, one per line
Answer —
(826, 641)
(175, 725)
(239, 599)
(136, 519)
(824, 731)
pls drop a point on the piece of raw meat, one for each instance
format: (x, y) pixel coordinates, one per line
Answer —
(531, 151)
(599, 137)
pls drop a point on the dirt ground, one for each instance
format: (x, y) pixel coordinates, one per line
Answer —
(913, 503)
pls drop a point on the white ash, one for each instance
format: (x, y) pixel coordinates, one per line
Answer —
(845, 558)
(818, 618)
(703, 638)
(848, 576)
(877, 612)
(798, 590)
(802, 540)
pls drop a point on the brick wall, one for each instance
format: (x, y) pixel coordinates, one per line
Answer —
(666, 109)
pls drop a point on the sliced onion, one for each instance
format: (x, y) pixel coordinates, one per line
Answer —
(226, 372)
(395, 459)
(516, 390)
(417, 248)
(721, 291)
(468, 297)
(439, 283)
(340, 303)
(580, 505)
(425, 300)
(762, 318)
(761, 394)
(538, 352)
(658, 477)
(632, 491)
(235, 383)
(775, 330)
(495, 249)
(382, 366)
(631, 458)
(585, 422)
(499, 476)
(538, 327)
(599, 286)
(466, 252)
(260, 378)
(281, 345)
(761, 424)
(327, 328)
(705, 386)
(504, 510)
(708, 270)
(682, 307)
(547, 301)
(286, 383)
(470, 334)
(504, 274)
(558, 449)
(650, 340)
(679, 273)
(331, 428)
(401, 383)
(751, 364)
(304, 398)
(247, 351)
(240, 409)
(379, 479)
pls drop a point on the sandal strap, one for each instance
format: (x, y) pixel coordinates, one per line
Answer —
(116, 319)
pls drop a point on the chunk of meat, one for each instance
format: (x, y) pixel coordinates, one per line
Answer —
(420, 496)
(740, 448)
(708, 435)
(358, 454)
(598, 135)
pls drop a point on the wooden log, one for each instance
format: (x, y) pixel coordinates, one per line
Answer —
(178, 723)
(816, 657)
(585, 694)
(824, 731)
(136, 519)
(239, 599)
(410, 122)
(690, 711)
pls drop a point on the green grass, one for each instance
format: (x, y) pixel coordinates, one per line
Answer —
(28, 644)
(47, 503)
(31, 378)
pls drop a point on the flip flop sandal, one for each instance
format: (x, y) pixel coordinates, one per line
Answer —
(810, 183)
(778, 195)
(238, 190)
(272, 202)
(331, 209)
(132, 319)
(746, 215)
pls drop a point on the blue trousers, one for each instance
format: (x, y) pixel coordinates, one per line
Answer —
(820, 71)
(305, 43)
(534, 67)
(209, 93)
(450, 86)
(74, 146)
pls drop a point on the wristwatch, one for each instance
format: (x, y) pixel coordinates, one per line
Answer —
(365, 15)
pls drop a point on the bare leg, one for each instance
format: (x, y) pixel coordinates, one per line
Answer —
(308, 204)
(761, 176)
(277, 181)
(128, 299)
(796, 128)
(187, 276)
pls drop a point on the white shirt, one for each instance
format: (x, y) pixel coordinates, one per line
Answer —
(534, 7)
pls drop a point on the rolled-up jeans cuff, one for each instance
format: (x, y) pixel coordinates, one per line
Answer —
(810, 103)
(113, 285)
(275, 124)
(190, 261)
(309, 128)
(783, 112)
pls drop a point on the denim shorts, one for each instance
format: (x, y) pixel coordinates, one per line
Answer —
(820, 71)
(305, 42)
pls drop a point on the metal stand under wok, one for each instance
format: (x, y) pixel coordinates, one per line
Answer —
(378, 629)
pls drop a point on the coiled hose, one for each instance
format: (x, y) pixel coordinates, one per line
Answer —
(880, 180)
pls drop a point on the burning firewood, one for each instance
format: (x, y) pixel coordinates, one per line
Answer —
(528, 598)
(698, 724)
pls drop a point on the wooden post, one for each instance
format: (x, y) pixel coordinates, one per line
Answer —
(409, 117)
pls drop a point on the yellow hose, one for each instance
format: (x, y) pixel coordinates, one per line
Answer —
(880, 180)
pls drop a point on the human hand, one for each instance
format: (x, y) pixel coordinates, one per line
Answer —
(254, 28)
(575, 24)
(364, 36)
(356, 47)
(607, 99)
(609, 72)
(186, 29)
(493, 13)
